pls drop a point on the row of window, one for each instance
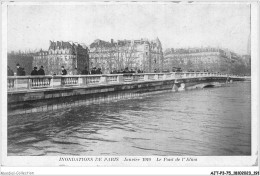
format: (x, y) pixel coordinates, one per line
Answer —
(197, 60)
(63, 51)
(55, 57)
(192, 54)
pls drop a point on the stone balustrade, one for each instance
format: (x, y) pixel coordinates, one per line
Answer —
(112, 79)
(16, 83)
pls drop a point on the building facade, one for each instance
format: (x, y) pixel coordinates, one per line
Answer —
(68, 54)
(141, 54)
(200, 59)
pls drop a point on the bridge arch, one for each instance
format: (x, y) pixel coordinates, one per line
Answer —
(208, 86)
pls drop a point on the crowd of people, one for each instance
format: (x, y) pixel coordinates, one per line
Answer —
(38, 72)
(126, 70)
(95, 70)
(21, 72)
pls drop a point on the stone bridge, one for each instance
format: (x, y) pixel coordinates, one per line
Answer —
(30, 94)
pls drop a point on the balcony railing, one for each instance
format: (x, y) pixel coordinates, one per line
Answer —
(15, 83)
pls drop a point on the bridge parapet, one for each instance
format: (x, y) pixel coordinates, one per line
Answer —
(16, 83)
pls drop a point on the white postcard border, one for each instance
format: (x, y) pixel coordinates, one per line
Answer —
(202, 161)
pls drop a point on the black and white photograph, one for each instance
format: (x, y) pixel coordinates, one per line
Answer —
(130, 84)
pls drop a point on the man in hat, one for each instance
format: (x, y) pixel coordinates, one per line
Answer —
(34, 72)
(98, 71)
(41, 71)
(63, 71)
(19, 70)
(93, 71)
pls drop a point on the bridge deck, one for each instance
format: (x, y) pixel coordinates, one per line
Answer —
(47, 83)
(38, 94)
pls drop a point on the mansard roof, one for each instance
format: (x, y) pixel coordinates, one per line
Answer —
(41, 52)
(102, 43)
(64, 45)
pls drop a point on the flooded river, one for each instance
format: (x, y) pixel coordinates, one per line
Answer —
(212, 121)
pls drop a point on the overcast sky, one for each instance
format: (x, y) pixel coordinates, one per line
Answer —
(176, 25)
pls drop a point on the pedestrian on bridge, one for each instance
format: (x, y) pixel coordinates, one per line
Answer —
(98, 71)
(34, 72)
(63, 71)
(19, 70)
(93, 71)
(41, 71)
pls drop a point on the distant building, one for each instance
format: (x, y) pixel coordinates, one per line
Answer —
(199, 59)
(135, 54)
(68, 54)
(41, 59)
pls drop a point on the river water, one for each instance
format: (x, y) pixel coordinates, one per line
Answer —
(212, 121)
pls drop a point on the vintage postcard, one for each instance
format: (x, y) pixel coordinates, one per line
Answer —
(130, 84)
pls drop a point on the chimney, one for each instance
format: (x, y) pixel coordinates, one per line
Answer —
(112, 41)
